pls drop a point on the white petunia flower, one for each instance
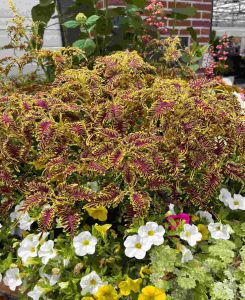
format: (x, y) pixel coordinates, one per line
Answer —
(66, 262)
(12, 278)
(25, 221)
(91, 283)
(36, 293)
(52, 279)
(136, 246)
(16, 213)
(93, 186)
(171, 209)
(40, 237)
(219, 231)
(23, 218)
(152, 232)
(205, 215)
(240, 99)
(47, 251)
(84, 243)
(191, 234)
(186, 254)
(224, 196)
(28, 248)
(237, 202)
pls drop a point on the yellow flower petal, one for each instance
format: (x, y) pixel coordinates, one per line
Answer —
(99, 213)
(152, 293)
(135, 284)
(124, 287)
(204, 231)
(107, 292)
(102, 229)
(194, 218)
(145, 270)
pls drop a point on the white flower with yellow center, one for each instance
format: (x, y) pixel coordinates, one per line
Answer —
(47, 251)
(36, 293)
(219, 231)
(191, 234)
(84, 243)
(12, 278)
(28, 248)
(91, 283)
(224, 196)
(237, 202)
(136, 246)
(152, 233)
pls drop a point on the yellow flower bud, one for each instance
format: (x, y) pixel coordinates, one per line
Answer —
(81, 18)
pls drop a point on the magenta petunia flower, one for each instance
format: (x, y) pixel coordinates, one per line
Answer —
(178, 218)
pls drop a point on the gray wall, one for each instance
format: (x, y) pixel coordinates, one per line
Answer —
(52, 37)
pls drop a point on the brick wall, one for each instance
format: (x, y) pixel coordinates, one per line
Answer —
(201, 22)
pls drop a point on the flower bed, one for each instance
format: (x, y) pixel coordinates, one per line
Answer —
(117, 183)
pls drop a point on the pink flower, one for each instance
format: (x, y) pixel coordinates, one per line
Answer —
(178, 218)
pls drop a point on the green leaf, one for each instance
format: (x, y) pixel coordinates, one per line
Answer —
(71, 24)
(183, 13)
(132, 9)
(192, 33)
(194, 67)
(139, 3)
(64, 284)
(46, 2)
(88, 45)
(92, 20)
(185, 57)
(42, 13)
(5, 264)
(91, 28)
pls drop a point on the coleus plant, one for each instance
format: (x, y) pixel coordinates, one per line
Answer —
(118, 136)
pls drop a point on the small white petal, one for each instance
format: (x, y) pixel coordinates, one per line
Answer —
(12, 278)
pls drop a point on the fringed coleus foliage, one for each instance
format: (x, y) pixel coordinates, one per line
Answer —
(144, 139)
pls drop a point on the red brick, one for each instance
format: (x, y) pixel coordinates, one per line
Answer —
(184, 23)
(201, 23)
(206, 15)
(185, 32)
(197, 15)
(205, 31)
(178, 4)
(200, 6)
(173, 31)
(116, 2)
(203, 39)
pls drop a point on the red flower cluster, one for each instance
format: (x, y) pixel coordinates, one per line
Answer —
(220, 53)
(156, 16)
